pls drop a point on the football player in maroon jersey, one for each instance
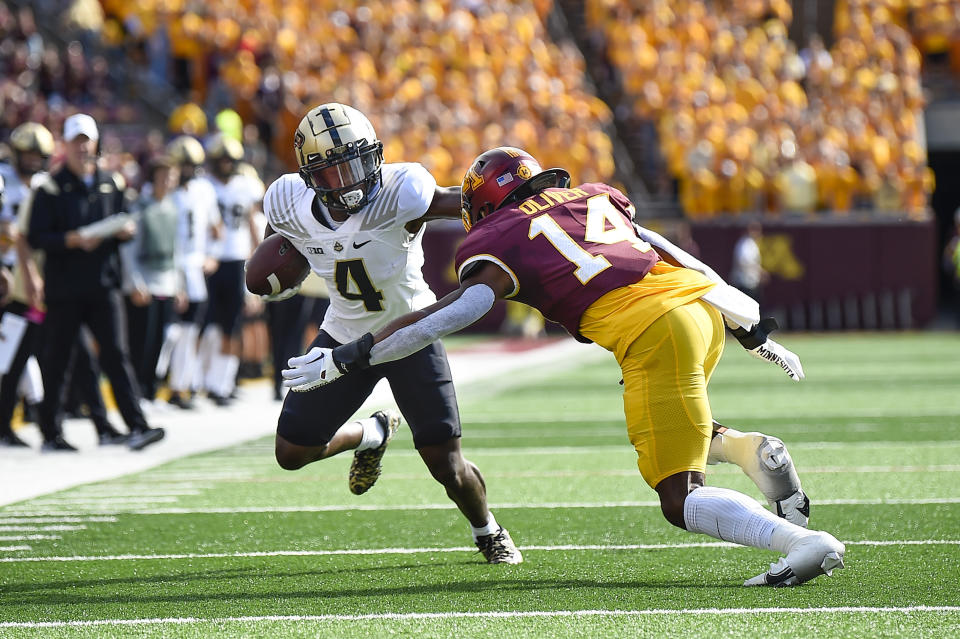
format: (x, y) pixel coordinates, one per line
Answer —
(576, 256)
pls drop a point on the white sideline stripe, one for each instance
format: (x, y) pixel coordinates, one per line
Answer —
(415, 551)
(14, 548)
(892, 501)
(28, 537)
(52, 528)
(55, 520)
(127, 493)
(510, 614)
(67, 501)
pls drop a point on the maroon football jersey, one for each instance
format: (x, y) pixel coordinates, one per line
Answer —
(563, 248)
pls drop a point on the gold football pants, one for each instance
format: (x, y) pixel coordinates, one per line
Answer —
(665, 375)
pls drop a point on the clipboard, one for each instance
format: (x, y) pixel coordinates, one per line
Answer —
(12, 328)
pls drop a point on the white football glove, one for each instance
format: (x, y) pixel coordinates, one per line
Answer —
(309, 371)
(777, 354)
(282, 295)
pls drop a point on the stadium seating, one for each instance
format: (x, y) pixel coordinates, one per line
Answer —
(746, 122)
(440, 80)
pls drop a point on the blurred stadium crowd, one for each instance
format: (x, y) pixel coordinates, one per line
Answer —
(747, 121)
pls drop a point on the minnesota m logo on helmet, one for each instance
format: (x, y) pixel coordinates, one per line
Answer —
(501, 176)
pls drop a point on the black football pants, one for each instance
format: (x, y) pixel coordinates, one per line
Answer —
(103, 315)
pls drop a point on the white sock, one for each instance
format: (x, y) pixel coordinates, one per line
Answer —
(491, 528)
(230, 374)
(183, 362)
(170, 338)
(373, 433)
(31, 382)
(213, 379)
(731, 516)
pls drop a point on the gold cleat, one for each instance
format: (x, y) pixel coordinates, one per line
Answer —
(365, 469)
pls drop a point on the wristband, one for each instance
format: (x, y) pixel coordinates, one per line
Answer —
(757, 335)
(354, 355)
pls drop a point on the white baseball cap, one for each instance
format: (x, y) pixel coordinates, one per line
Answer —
(80, 124)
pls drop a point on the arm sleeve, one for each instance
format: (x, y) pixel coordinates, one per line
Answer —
(475, 302)
(738, 308)
(688, 261)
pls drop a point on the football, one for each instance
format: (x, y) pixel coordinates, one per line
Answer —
(275, 266)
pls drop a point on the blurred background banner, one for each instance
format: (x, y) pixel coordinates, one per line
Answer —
(838, 273)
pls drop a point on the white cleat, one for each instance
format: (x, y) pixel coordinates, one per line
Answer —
(795, 508)
(816, 554)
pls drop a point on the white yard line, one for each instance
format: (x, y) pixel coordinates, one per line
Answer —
(56, 520)
(48, 528)
(510, 614)
(28, 537)
(25, 474)
(415, 551)
(30, 511)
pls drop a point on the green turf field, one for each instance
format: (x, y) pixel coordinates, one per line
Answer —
(226, 544)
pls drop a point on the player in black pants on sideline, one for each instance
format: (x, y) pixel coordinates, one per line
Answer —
(82, 277)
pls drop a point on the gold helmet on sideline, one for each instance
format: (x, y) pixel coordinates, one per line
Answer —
(32, 137)
(222, 146)
(184, 149)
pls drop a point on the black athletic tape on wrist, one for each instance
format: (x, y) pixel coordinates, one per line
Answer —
(353, 355)
(757, 335)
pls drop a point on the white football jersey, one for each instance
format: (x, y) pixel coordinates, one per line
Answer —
(197, 204)
(371, 263)
(235, 199)
(14, 192)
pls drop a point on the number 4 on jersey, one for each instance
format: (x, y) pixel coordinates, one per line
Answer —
(353, 283)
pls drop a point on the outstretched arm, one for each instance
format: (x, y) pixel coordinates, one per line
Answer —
(406, 334)
(444, 206)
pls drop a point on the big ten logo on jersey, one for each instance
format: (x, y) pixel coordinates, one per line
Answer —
(315, 250)
(233, 216)
(547, 199)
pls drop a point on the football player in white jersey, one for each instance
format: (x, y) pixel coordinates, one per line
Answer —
(360, 222)
(199, 223)
(238, 196)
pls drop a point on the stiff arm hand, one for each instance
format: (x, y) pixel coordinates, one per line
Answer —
(311, 370)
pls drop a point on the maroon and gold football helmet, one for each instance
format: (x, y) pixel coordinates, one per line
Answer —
(502, 176)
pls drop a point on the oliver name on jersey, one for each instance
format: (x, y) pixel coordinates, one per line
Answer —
(371, 263)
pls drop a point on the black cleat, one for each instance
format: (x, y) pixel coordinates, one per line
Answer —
(12, 441)
(181, 401)
(219, 400)
(112, 437)
(143, 438)
(57, 445)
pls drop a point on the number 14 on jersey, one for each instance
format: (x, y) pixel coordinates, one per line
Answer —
(600, 211)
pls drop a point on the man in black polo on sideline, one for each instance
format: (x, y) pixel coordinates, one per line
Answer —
(82, 276)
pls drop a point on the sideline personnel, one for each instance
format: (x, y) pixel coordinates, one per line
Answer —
(82, 275)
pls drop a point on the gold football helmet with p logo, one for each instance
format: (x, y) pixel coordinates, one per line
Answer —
(340, 156)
